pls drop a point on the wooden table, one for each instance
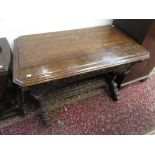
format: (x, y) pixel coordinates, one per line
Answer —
(43, 58)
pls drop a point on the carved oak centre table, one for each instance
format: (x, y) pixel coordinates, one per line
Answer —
(42, 60)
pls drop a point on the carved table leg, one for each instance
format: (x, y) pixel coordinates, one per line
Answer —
(112, 86)
(43, 110)
(115, 79)
(120, 77)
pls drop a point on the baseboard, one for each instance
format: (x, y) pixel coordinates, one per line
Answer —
(151, 132)
(138, 79)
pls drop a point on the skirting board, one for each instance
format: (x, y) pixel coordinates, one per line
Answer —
(141, 78)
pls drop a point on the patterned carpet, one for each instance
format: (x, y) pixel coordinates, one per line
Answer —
(93, 113)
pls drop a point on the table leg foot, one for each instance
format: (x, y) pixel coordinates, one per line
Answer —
(44, 111)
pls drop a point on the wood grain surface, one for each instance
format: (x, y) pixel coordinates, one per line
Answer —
(51, 56)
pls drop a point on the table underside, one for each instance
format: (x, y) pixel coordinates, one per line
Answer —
(69, 87)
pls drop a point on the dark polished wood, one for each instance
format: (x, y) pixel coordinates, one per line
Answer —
(51, 56)
(141, 71)
(43, 60)
(143, 31)
(8, 95)
(135, 28)
(5, 58)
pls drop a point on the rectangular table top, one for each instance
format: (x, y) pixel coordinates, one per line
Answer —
(50, 56)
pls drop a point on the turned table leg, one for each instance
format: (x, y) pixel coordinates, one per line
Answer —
(114, 81)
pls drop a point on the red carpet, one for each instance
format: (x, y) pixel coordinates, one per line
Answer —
(134, 113)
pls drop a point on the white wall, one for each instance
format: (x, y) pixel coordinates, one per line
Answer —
(18, 17)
